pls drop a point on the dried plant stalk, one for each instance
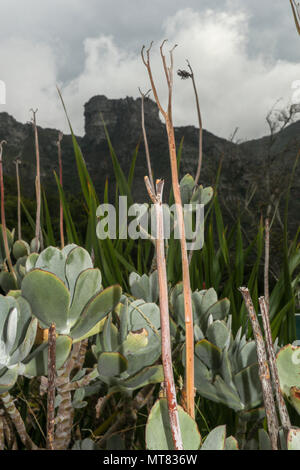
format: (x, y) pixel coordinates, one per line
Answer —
(189, 328)
(51, 386)
(17, 163)
(264, 372)
(38, 234)
(284, 416)
(164, 313)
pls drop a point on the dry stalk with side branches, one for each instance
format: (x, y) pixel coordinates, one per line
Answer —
(167, 115)
(164, 312)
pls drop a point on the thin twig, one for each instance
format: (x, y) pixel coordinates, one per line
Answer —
(189, 378)
(150, 174)
(17, 162)
(164, 313)
(284, 416)
(264, 372)
(51, 386)
(38, 234)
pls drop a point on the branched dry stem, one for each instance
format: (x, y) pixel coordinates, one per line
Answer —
(189, 378)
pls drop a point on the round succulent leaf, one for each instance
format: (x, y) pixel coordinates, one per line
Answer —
(158, 430)
(52, 260)
(26, 345)
(8, 378)
(203, 195)
(20, 249)
(288, 365)
(216, 439)
(111, 364)
(187, 185)
(11, 329)
(227, 394)
(98, 328)
(217, 333)
(143, 315)
(7, 303)
(144, 287)
(231, 443)
(48, 298)
(264, 442)
(209, 298)
(7, 281)
(293, 439)
(219, 310)
(36, 364)
(31, 261)
(78, 260)
(246, 355)
(147, 376)
(209, 354)
(248, 385)
(88, 284)
(295, 398)
(97, 308)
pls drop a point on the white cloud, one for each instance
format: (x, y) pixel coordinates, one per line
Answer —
(234, 89)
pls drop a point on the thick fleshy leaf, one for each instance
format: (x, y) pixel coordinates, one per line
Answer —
(149, 375)
(248, 385)
(26, 345)
(208, 353)
(288, 364)
(48, 297)
(111, 364)
(144, 287)
(52, 260)
(215, 439)
(8, 378)
(78, 260)
(158, 430)
(96, 309)
(20, 249)
(37, 363)
(87, 285)
(231, 443)
(218, 333)
(293, 439)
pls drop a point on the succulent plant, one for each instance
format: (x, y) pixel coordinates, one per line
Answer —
(288, 365)
(17, 335)
(190, 195)
(126, 352)
(216, 440)
(205, 304)
(159, 436)
(226, 369)
(62, 287)
(158, 431)
(144, 287)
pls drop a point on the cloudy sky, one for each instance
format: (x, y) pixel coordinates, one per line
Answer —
(245, 55)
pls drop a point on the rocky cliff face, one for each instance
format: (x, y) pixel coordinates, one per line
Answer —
(245, 166)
